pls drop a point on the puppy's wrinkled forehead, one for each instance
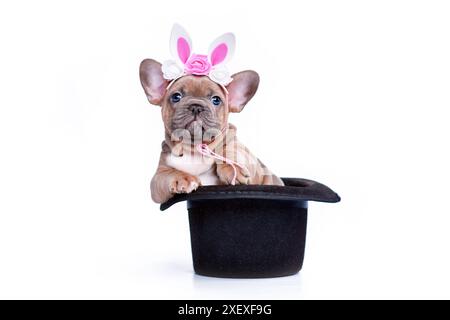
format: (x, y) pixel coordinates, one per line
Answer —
(197, 86)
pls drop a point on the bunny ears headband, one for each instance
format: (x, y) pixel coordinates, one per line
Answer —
(188, 63)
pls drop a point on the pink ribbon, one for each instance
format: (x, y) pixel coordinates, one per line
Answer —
(206, 151)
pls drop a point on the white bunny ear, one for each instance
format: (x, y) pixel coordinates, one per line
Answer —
(222, 49)
(180, 43)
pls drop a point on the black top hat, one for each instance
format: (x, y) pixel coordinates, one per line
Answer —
(250, 231)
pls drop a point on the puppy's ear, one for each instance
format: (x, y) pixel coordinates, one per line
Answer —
(242, 89)
(152, 80)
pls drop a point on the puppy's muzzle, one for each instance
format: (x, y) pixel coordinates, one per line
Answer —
(196, 109)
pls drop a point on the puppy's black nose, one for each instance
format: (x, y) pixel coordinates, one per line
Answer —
(195, 109)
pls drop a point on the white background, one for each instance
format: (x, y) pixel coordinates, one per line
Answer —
(354, 94)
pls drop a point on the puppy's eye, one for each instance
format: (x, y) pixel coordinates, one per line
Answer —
(216, 100)
(176, 97)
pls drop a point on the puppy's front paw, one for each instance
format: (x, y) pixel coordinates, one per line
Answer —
(225, 172)
(183, 183)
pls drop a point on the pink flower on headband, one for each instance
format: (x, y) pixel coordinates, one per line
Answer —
(198, 64)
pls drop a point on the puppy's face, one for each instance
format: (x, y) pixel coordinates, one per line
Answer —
(194, 102)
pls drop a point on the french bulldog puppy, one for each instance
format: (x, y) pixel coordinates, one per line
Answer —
(195, 112)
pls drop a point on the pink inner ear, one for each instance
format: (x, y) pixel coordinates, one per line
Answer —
(183, 49)
(219, 54)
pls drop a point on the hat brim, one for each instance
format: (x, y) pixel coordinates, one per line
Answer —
(294, 189)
